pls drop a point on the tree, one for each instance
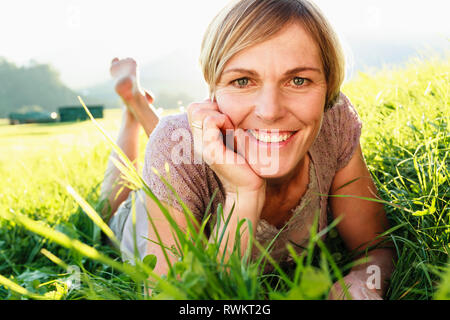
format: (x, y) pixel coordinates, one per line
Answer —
(35, 84)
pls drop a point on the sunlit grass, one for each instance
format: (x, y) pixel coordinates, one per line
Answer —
(406, 143)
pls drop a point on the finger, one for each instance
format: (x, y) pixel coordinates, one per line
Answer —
(221, 159)
(196, 114)
(194, 109)
(205, 104)
(198, 127)
(208, 104)
(199, 114)
(213, 146)
(197, 117)
(212, 124)
(240, 142)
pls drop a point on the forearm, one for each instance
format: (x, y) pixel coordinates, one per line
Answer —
(162, 244)
(162, 266)
(246, 206)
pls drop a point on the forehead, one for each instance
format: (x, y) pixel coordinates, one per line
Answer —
(291, 47)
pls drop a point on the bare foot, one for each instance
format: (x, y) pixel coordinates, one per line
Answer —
(138, 102)
(127, 84)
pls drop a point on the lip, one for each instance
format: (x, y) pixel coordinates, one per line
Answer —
(277, 145)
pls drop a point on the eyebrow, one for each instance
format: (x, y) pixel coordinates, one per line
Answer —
(287, 73)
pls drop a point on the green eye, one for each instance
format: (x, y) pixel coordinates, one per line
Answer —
(298, 81)
(242, 82)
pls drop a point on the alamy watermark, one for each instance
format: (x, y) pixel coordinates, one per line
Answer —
(73, 282)
(73, 16)
(374, 280)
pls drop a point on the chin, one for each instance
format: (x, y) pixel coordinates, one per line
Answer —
(274, 170)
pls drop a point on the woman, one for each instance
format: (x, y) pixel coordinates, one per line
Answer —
(274, 70)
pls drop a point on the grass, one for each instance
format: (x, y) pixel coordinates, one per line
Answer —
(405, 140)
(406, 143)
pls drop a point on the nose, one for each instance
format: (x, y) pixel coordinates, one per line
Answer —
(268, 105)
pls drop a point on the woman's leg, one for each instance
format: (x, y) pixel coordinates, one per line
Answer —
(139, 112)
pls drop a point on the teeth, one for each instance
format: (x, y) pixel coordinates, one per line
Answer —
(268, 138)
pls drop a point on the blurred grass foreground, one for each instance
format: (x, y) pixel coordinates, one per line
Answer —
(46, 232)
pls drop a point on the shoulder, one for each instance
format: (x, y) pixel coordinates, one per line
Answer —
(342, 115)
(170, 132)
(171, 141)
(175, 120)
(339, 135)
(170, 151)
(169, 124)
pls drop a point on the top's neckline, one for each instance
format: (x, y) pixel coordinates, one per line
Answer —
(302, 202)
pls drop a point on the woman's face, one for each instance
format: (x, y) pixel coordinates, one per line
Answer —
(276, 92)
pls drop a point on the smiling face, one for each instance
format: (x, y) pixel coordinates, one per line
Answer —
(276, 92)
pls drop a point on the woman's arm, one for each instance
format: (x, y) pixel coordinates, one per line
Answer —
(165, 232)
(362, 221)
(246, 206)
(241, 184)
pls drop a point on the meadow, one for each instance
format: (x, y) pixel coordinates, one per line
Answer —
(46, 232)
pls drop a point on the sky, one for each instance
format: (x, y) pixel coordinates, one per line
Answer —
(80, 37)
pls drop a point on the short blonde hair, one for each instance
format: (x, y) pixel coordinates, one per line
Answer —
(245, 23)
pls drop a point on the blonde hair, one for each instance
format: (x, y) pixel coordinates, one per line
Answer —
(245, 23)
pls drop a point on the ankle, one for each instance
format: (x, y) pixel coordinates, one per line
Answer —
(138, 99)
(129, 119)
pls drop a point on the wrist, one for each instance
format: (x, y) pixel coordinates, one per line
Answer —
(258, 191)
(129, 120)
(250, 197)
(247, 204)
(241, 205)
(376, 270)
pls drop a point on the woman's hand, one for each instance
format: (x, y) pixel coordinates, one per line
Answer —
(208, 126)
(245, 191)
(357, 288)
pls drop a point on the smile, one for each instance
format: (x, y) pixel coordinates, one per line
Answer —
(267, 136)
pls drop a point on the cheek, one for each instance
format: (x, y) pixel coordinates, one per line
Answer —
(309, 109)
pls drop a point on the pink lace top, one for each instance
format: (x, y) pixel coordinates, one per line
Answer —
(171, 142)
(296, 230)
